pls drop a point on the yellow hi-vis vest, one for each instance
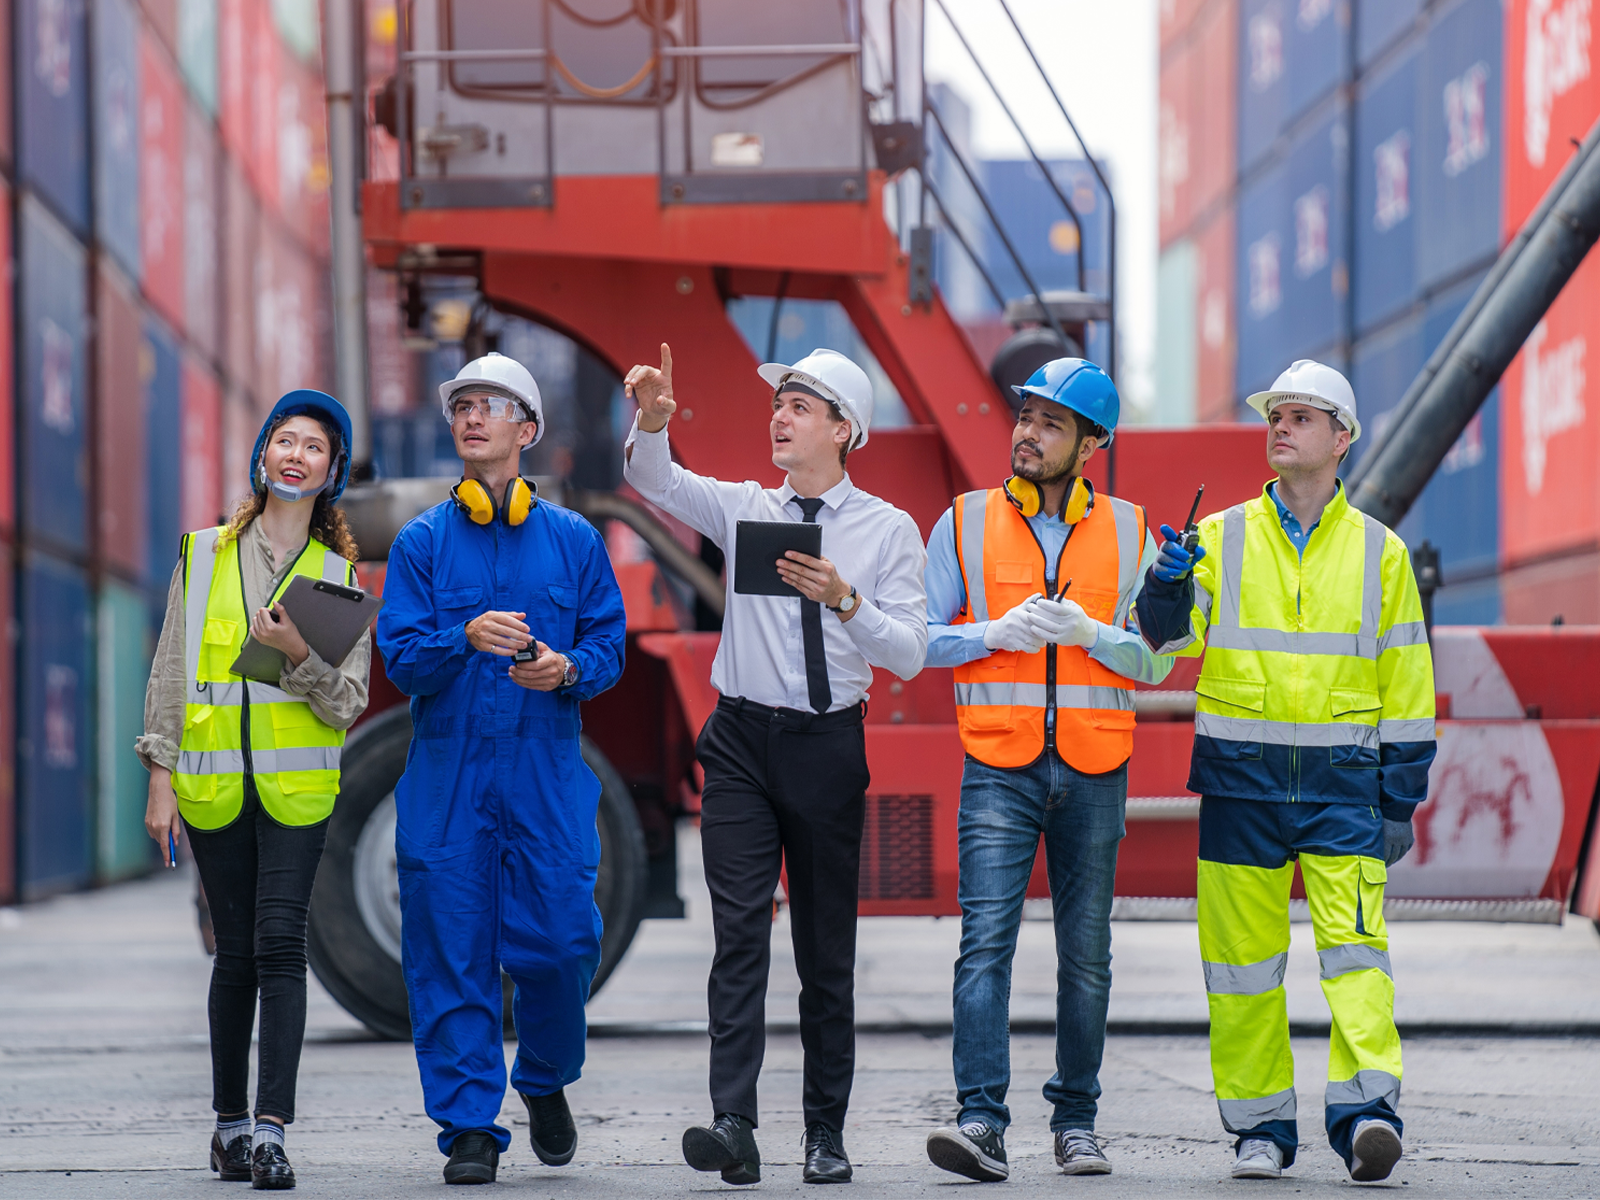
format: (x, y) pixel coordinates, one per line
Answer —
(293, 755)
(1316, 664)
(1007, 701)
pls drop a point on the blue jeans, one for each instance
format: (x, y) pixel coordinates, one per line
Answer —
(1003, 815)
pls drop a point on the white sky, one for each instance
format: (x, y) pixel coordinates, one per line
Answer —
(1102, 57)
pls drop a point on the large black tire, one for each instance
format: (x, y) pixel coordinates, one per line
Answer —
(354, 935)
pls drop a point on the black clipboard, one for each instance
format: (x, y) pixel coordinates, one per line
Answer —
(330, 616)
(758, 545)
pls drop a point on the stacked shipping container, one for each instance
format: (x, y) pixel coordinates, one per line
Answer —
(169, 246)
(1362, 205)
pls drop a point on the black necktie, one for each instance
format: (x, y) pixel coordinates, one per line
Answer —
(811, 631)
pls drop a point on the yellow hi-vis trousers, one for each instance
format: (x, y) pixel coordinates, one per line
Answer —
(1246, 868)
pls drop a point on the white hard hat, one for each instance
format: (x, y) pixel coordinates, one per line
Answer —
(837, 379)
(501, 374)
(1313, 383)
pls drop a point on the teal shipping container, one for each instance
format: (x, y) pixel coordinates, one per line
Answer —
(122, 848)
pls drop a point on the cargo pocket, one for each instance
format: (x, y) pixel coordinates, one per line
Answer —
(1358, 708)
(560, 618)
(1369, 898)
(1232, 724)
(986, 703)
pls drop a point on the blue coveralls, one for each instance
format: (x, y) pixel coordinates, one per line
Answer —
(496, 831)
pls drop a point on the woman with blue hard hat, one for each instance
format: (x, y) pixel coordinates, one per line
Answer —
(250, 769)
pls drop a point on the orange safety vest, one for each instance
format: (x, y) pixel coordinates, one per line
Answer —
(1006, 702)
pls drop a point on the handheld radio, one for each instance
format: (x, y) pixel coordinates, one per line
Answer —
(1190, 537)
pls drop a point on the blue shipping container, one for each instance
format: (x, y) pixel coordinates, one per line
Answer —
(1475, 602)
(1040, 228)
(1379, 23)
(55, 742)
(1263, 90)
(1316, 264)
(162, 369)
(1317, 51)
(53, 104)
(53, 451)
(1265, 250)
(116, 133)
(1458, 164)
(1385, 226)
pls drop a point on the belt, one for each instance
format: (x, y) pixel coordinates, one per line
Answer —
(749, 710)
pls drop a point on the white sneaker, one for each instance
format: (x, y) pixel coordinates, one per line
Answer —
(1373, 1151)
(1258, 1158)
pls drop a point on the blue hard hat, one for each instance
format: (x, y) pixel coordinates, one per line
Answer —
(311, 403)
(1078, 384)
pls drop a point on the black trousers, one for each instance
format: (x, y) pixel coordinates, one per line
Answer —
(783, 787)
(258, 875)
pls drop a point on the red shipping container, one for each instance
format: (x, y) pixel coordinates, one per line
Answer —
(302, 153)
(241, 422)
(234, 30)
(1552, 95)
(288, 314)
(163, 14)
(1567, 587)
(264, 67)
(200, 489)
(8, 731)
(388, 361)
(241, 224)
(1550, 490)
(202, 280)
(1196, 154)
(1215, 329)
(161, 181)
(1175, 16)
(8, 470)
(121, 469)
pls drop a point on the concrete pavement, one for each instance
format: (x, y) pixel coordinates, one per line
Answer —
(104, 1071)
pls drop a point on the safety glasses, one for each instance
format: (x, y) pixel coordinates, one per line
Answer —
(489, 407)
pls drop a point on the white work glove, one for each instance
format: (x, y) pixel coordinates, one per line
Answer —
(1014, 630)
(1064, 623)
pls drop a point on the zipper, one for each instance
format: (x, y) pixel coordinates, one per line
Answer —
(1050, 650)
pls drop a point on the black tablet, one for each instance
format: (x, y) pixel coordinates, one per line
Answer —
(758, 545)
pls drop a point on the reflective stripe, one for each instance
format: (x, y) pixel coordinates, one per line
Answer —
(1032, 695)
(1202, 601)
(1406, 633)
(1341, 960)
(1287, 641)
(1423, 729)
(1128, 551)
(1367, 1086)
(202, 559)
(1372, 578)
(1233, 531)
(265, 762)
(335, 567)
(1241, 1115)
(231, 694)
(1253, 979)
(974, 514)
(1285, 733)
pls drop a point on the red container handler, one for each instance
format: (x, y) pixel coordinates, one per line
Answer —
(161, 181)
(200, 492)
(122, 522)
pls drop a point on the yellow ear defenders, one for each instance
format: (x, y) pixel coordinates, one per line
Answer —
(1028, 498)
(473, 498)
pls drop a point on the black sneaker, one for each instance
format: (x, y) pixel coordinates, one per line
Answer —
(231, 1162)
(550, 1128)
(976, 1150)
(474, 1158)
(729, 1146)
(1078, 1153)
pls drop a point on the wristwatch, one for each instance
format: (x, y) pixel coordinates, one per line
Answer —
(845, 605)
(570, 677)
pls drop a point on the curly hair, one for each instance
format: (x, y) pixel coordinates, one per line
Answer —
(328, 524)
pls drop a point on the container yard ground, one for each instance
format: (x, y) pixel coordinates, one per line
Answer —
(105, 1070)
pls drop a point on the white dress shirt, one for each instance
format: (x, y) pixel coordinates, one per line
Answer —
(874, 546)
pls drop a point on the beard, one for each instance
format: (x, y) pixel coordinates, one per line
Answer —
(1040, 471)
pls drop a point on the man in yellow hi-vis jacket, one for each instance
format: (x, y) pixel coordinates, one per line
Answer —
(1314, 731)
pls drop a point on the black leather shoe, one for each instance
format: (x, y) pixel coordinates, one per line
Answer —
(550, 1128)
(826, 1161)
(729, 1146)
(474, 1158)
(269, 1168)
(231, 1162)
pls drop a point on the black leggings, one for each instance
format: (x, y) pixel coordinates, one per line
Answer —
(258, 875)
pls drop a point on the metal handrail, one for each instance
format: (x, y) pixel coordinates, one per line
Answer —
(961, 240)
(473, 55)
(840, 49)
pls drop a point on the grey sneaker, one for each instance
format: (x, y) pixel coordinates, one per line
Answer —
(976, 1150)
(1078, 1153)
(1373, 1151)
(1258, 1158)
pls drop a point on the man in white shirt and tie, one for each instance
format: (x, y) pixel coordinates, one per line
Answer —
(784, 752)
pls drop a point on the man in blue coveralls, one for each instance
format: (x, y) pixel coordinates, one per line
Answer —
(495, 834)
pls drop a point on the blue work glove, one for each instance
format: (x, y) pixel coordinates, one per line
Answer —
(1397, 840)
(1174, 562)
